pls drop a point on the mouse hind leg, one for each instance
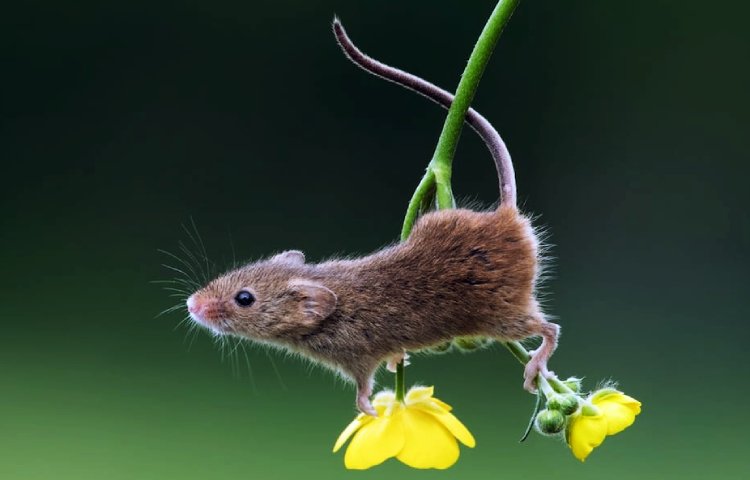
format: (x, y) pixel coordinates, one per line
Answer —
(362, 371)
(364, 391)
(537, 365)
(534, 326)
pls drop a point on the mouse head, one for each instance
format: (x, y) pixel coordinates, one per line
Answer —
(269, 300)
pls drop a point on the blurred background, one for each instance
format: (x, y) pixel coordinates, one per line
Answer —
(121, 121)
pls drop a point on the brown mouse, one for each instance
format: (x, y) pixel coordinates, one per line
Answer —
(461, 273)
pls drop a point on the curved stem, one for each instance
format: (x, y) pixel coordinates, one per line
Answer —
(545, 387)
(423, 196)
(438, 176)
(518, 351)
(523, 356)
(537, 407)
(437, 179)
(559, 386)
(480, 124)
(442, 159)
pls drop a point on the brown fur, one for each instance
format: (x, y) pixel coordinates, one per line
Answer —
(460, 273)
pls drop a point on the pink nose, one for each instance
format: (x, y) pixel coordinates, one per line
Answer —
(193, 305)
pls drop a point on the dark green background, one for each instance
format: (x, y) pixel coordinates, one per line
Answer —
(121, 120)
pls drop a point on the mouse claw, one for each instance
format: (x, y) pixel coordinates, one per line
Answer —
(530, 373)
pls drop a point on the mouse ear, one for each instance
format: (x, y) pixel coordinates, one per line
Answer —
(290, 256)
(316, 301)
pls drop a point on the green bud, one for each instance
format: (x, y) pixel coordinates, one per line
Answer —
(550, 422)
(567, 403)
(573, 383)
(442, 348)
(470, 344)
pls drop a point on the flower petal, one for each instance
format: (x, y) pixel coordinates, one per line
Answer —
(383, 399)
(355, 425)
(449, 421)
(585, 433)
(442, 404)
(375, 442)
(619, 409)
(418, 394)
(428, 443)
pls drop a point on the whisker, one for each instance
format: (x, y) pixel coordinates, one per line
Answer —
(202, 245)
(234, 252)
(170, 310)
(234, 348)
(185, 320)
(174, 281)
(192, 257)
(227, 344)
(276, 370)
(186, 264)
(175, 269)
(236, 357)
(177, 290)
(249, 369)
(192, 333)
(198, 242)
(220, 341)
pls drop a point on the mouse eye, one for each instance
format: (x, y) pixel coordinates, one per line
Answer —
(244, 298)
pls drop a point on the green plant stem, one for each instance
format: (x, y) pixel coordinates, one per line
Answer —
(524, 356)
(400, 382)
(436, 183)
(445, 150)
(423, 196)
(435, 186)
(537, 407)
(543, 384)
(518, 351)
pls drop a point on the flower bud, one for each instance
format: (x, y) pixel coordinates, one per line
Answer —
(469, 343)
(550, 422)
(442, 348)
(573, 383)
(567, 403)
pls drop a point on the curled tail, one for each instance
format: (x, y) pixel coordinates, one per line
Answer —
(477, 122)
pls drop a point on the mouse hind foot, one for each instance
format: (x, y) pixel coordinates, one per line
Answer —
(533, 326)
(363, 402)
(365, 381)
(537, 365)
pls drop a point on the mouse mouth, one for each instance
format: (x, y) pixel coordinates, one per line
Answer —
(210, 315)
(218, 325)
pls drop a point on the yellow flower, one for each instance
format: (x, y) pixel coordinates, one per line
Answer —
(420, 432)
(606, 412)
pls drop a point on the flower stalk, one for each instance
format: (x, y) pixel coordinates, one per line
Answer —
(417, 428)
(434, 190)
(400, 382)
(523, 356)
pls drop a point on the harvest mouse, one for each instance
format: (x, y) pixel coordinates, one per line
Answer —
(461, 273)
